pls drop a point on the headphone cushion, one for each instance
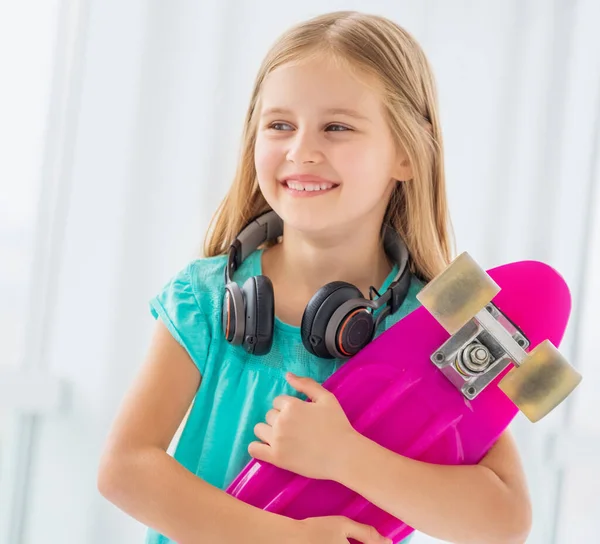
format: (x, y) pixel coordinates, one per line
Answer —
(260, 314)
(319, 311)
(265, 303)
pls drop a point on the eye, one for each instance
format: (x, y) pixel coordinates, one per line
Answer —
(280, 126)
(337, 128)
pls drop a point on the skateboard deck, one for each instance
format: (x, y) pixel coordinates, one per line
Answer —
(393, 393)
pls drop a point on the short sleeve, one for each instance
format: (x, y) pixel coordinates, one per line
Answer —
(180, 311)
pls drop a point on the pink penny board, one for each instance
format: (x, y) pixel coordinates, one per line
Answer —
(393, 394)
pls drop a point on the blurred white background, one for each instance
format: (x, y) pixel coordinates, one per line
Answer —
(119, 130)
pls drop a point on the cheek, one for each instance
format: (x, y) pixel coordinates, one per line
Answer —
(267, 157)
(362, 165)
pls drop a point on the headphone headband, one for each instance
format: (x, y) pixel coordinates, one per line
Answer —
(267, 226)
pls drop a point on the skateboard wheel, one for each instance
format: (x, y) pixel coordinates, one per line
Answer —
(458, 293)
(542, 381)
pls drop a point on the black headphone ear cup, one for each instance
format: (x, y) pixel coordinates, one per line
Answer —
(315, 342)
(260, 314)
(317, 317)
(352, 332)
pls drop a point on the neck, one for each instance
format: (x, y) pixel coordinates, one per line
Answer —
(304, 263)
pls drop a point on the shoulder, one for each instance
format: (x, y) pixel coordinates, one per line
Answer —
(189, 305)
(199, 280)
(206, 276)
(192, 291)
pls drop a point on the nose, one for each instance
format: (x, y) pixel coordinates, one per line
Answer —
(304, 149)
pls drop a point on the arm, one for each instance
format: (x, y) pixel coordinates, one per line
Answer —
(139, 477)
(486, 503)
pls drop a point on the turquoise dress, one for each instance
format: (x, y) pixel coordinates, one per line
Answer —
(237, 388)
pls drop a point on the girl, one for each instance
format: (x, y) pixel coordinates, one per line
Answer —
(342, 142)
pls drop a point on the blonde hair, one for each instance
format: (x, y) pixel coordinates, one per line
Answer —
(418, 208)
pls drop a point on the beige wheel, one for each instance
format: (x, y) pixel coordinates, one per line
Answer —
(458, 293)
(541, 382)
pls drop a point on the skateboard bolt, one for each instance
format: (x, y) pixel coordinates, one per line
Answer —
(479, 355)
(476, 358)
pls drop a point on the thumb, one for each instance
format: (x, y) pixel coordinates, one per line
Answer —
(365, 533)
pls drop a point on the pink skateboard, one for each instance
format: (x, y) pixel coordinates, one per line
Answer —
(440, 385)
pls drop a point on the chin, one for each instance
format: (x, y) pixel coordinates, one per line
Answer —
(312, 222)
(306, 222)
(301, 218)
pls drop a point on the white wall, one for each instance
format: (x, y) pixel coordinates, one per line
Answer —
(148, 141)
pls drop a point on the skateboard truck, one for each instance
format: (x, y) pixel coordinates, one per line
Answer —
(483, 341)
(473, 357)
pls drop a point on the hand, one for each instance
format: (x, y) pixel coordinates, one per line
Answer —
(308, 438)
(337, 530)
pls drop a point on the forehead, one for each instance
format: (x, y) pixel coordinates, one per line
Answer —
(320, 83)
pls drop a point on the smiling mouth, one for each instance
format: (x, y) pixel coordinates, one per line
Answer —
(309, 186)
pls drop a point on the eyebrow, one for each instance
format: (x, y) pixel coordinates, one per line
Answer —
(331, 111)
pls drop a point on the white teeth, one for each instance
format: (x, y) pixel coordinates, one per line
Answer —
(309, 186)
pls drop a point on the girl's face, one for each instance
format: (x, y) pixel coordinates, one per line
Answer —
(324, 154)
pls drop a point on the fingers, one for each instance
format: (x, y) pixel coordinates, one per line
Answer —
(271, 416)
(260, 451)
(365, 533)
(311, 388)
(280, 402)
(264, 432)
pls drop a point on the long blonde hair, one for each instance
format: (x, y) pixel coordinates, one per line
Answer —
(418, 208)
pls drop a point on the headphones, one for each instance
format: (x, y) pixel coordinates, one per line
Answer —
(337, 322)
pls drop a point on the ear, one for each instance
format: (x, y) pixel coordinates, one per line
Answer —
(402, 169)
